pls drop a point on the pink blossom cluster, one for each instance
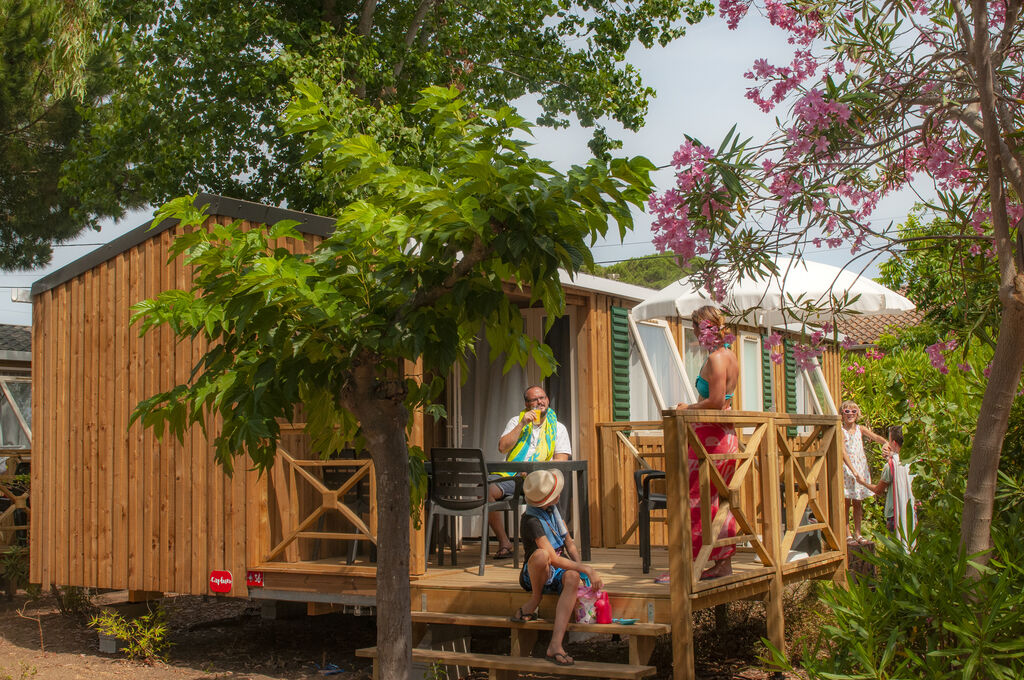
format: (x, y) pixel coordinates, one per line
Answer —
(806, 356)
(874, 354)
(942, 158)
(786, 78)
(732, 11)
(672, 224)
(856, 368)
(710, 336)
(937, 354)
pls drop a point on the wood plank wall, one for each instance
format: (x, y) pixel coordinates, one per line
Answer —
(594, 348)
(114, 507)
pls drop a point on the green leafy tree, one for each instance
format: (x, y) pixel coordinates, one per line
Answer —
(653, 271)
(203, 82)
(414, 270)
(47, 52)
(950, 280)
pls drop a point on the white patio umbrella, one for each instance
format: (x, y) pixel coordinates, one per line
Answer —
(773, 300)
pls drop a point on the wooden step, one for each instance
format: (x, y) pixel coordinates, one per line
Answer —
(653, 629)
(497, 663)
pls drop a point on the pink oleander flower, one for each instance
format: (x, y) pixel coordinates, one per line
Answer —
(709, 336)
(937, 354)
(777, 357)
(806, 355)
(847, 344)
(772, 340)
(965, 367)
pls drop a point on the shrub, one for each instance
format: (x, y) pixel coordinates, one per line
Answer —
(74, 602)
(144, 638)
(14, 569)
(921, 617)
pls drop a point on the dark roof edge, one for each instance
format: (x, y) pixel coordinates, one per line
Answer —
(234, 208)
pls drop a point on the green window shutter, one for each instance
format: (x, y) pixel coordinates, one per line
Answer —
(766, 376)
(790, 365)
(620, 363)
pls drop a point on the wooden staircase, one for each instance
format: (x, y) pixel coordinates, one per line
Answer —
(641, 636)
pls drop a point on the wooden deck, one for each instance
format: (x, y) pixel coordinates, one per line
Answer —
(633, 594)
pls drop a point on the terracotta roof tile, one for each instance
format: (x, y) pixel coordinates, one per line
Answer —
(865, 330)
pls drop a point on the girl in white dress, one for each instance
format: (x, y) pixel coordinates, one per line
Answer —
(856, 464)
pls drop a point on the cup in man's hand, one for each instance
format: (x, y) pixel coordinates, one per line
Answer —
(538, 414)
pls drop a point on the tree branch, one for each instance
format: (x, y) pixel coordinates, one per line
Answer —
(366, 18)
(410, 35)
(478, 252)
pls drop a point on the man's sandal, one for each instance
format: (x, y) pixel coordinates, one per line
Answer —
(520, 617)
(503, 553)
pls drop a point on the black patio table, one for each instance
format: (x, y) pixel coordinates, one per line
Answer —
(575, 473)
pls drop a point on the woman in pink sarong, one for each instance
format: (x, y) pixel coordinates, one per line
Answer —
(715, 387)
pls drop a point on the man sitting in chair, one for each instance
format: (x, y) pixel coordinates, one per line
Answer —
(533, 435)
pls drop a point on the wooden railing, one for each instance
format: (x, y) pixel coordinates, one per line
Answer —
(14, 492)
(777, 479)
(304, 503)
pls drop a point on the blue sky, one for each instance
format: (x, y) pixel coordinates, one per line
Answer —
(700, 85)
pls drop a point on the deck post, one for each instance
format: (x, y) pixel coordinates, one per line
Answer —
(836, 509)
(679, 543)
(611, 515)
(773, 533)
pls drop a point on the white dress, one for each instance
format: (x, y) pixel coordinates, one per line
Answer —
(854, 443)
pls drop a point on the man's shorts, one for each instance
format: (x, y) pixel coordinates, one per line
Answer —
(553, 586)
(506, 484)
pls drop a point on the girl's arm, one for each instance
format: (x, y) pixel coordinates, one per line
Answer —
(878, 439)
(847, 463)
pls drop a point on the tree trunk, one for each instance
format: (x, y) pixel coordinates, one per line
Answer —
(979, 499)
(384, 422)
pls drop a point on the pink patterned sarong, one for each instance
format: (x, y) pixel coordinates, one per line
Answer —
(716, 438)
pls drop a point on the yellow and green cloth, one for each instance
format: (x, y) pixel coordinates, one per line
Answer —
(545, 447)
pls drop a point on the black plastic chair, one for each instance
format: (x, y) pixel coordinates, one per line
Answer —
(458, 487)
(648, 501)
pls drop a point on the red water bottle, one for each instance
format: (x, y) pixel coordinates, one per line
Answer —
(603, 608)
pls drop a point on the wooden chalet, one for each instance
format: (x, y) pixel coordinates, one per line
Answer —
(114, 507)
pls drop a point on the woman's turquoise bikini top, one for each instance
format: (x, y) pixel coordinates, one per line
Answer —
(703, 388)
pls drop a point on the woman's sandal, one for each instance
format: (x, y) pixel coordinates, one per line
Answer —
(560, 659)
(520, 617)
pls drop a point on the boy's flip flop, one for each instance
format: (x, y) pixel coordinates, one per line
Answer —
(560, 659)
(664, 579)
(520, 617)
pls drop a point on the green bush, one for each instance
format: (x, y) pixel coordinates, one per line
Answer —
(144, 638)
(74, 602)
(921, 618)
(14, 569)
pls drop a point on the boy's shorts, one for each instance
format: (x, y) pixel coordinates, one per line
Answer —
(553, 586)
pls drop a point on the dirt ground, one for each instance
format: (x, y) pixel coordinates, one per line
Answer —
(224, 639)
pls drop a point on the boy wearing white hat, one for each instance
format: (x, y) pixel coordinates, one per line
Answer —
(552, 563)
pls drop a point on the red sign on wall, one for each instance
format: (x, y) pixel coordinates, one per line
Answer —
(220, 581)
(254, 579)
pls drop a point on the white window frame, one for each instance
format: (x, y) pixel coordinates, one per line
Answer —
(645, 360)
(756, 373)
